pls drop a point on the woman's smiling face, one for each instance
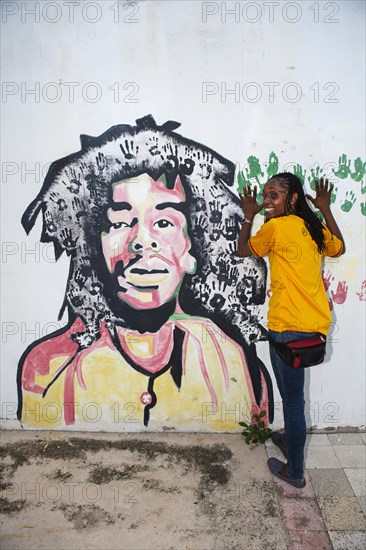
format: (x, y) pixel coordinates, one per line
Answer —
(275, 199)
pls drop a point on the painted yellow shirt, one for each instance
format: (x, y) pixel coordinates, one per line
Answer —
(105, 393)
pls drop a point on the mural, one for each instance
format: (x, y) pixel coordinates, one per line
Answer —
(162, 314)
(254, 173)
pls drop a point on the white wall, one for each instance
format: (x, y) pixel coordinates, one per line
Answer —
(177, 60)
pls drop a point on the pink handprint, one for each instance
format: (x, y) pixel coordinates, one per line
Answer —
(339, 297)
(327, 279)
(362, 294)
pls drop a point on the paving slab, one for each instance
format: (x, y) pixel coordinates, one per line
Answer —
(302, 515)
(351, 456)
(346, 439)
(137, 492)
(357, 479)
(330, 483)
(342, 513)
(308, 540)
(348, 540)
(321, 456)
(362, 501)
(317, 439)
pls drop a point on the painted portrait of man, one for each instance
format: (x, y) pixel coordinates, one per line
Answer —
(162, 315)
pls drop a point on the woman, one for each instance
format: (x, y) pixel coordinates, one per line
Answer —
(296, 242)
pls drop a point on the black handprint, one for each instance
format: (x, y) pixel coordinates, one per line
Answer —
(216, 213)
(126, 149)
(233, 276)
(61, 203)
(79, 208)
(216, 192)
(217, 301)
(231, 231)
(154, 149)
(83, 274)
(75, 298)
(50, 225)
(95, 289)
(245, 289)
(234, 304)
(200, 226)
(54, 197)
(67, 241)
(208, 157)
(200, 205)
(76, 203)
(100, 307)
(206, 171)
(215, 234)
(172, 163)
(101, 162)
(74, 183)
(187, 166)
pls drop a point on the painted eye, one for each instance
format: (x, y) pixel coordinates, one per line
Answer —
(162, 224)
(118, 225)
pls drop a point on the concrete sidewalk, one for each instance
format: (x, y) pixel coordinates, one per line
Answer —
(69, 490)
(332, 504)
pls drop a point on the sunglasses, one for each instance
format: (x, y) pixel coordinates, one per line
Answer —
(272, 195)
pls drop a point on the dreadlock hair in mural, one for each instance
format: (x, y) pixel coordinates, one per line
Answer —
(88, 203)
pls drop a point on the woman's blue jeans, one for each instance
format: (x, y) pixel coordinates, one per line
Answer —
(290, 383)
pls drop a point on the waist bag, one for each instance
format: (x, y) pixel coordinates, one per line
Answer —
(301, 353)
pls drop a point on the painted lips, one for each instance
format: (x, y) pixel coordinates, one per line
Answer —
(144, 277)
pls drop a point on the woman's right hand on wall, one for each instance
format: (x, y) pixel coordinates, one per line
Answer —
(323, 194)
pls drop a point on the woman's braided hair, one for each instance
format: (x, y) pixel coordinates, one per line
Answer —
(302, 208)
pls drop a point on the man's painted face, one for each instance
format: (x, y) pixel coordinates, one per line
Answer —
(147, 246)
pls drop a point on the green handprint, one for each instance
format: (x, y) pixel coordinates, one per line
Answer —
(360, 170)
(344, 168)
(349, 201)
(242, 182)
(363, 208)
(314, 176)
(255, 169)
(363, 187)
(299, 173)
(333, 195)
(272, 168)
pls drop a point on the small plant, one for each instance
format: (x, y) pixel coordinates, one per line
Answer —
(256, 432)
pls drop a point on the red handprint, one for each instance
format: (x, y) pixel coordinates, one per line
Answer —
(339, 297)
(327, 279)
(362, 294)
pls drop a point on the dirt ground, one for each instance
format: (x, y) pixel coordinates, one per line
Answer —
(142, 491)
